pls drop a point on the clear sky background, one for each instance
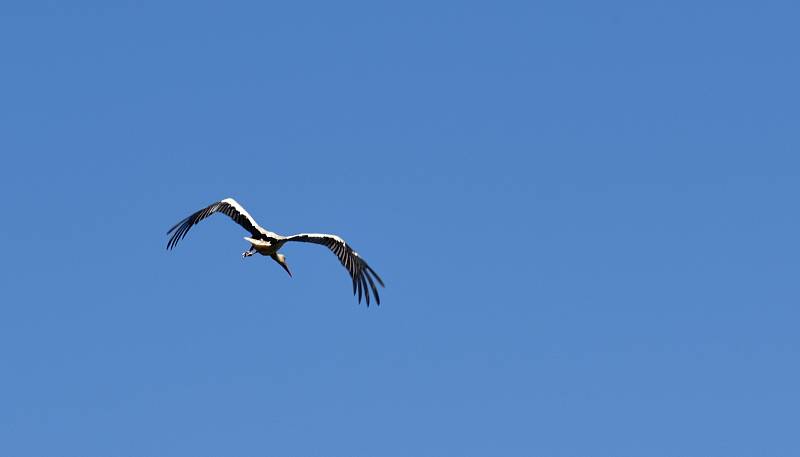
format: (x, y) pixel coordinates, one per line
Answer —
(585, 214)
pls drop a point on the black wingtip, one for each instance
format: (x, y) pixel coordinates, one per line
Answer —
(374, 289)
(366, 289)
(378, 278)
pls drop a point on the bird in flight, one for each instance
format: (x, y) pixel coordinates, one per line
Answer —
(268, 243)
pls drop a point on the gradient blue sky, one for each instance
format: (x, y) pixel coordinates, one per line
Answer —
(585, 214)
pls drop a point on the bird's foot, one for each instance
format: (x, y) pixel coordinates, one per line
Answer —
(247, 254)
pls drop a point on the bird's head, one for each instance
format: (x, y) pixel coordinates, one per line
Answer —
(281, 259)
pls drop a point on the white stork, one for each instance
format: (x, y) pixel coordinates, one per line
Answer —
(268, 243)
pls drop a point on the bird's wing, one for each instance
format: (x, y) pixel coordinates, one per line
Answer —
(230, 208)
(360, 272)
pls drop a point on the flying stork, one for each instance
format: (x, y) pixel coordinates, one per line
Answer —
(268, 243)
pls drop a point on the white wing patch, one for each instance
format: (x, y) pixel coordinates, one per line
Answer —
(239, 208)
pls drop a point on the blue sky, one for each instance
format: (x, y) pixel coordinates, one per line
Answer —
(585, 215)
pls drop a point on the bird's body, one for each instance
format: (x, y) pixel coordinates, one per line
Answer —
(268, 243)
(265, 247)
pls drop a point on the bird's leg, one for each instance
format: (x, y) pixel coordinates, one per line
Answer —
(249, 252)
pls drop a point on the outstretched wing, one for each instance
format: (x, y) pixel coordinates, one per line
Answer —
(360, 272)
(228, 207)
